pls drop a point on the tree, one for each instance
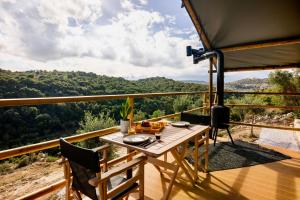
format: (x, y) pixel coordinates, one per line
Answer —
(182, 103)
(29, 92)
(92, 123)
(157, 113)
(285, 81)
(139, 116)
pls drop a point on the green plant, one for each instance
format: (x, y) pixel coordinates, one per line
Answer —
(51, 159)
(24, 161)
(139, 116)
(182, 103)
(5, 168)
(157, 113)
(125, 110)
(92, 122)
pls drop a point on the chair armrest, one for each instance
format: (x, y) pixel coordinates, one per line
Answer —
(101, 148)
(117, 170)
(121, 159)
(123, 167)
(62, 161)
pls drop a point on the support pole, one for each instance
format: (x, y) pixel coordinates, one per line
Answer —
(210, 85)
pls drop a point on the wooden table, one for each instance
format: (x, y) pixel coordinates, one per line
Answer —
(174, 140)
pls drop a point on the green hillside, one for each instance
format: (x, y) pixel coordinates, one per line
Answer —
(248, 84)
(30, 124)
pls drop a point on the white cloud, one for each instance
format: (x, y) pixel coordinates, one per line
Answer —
(116, 38)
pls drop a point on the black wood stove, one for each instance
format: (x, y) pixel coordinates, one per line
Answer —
(219, 113)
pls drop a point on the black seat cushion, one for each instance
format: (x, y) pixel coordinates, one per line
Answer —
(117, 180)
(195, 119)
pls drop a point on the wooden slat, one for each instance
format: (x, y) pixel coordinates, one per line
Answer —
(43, 191)
(72, 99)
(197, 23)
(122, 186)
(261, 45)
(119, 169)
(121, 158)
(165, 164)
(264, 93)
(177, 114)
(265, 126)
(264, 106)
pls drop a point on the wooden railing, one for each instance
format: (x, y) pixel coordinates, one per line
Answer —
(75, 138)
(81, 137)
(73, 99)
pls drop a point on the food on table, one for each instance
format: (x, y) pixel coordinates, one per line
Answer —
(146, 124)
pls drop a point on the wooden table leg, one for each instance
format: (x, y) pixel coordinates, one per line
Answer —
(166, 159)
(196, 159)
(158, 169)
(129, 171)
(206, 150)
(159, 163)
(179, 159)
(167, 194)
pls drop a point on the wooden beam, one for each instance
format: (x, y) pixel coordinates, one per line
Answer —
(197, 23)
(264, 106)
(261, 45)
(265, 126)
(43, 191)
(177, 114)
(264, 93)
(73, 99)
(272, 67)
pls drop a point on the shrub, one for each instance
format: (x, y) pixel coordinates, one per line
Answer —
(23, 161)
(5, 168)
(182, 103)
(157, 113)
(93, 123)
(51, 159)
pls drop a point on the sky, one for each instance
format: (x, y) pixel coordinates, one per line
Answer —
(129, 38)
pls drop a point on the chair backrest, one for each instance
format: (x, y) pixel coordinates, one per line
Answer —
(84, 164)
(195, 119)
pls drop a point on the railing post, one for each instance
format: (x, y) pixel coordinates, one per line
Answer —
(131, 120)
(205, 110)
(131, 115)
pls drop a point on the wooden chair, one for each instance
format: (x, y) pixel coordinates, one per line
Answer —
(195, 119)
(82, 169)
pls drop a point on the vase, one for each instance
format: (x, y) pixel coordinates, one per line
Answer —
(124, 125)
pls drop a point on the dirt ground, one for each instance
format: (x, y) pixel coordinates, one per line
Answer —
(39, 174)
(28, 179)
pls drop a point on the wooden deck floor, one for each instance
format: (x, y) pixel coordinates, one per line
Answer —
(277, 180)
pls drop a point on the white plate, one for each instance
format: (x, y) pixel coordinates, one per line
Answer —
(135, 139)
(181, 124)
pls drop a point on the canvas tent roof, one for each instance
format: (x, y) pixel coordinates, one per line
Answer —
(253, 34)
